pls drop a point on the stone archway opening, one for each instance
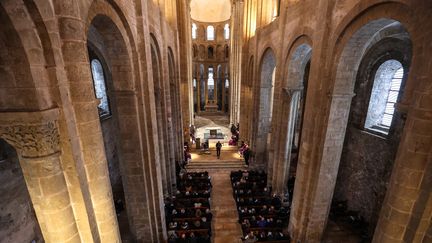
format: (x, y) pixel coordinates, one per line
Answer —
(19, 221)
(360, 153)
(176, 113)
(162, 103)
(262, 138)
(294, 96)
(112, 76)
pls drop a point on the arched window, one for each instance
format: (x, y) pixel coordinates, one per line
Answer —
(210, 32)
(226, 31)
(226, 83)
(210, 52)
(194, 31)
(210, 84)
(385, 92)
(100, 88)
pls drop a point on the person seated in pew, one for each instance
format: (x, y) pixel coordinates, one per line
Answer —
(172, 225)
(208, 214)
(205, 224)
(182, 213)
(276, 201)
(270, 236)
(261, 222)
(198, 213)
(246, 224)
(193, 238)
(262, 236)
(252, 211)
(271, 210)
(197, 224)
(182, 239)
(185, 225)
(250, 238)
(172, 236)
(264, 210)
(204, 238)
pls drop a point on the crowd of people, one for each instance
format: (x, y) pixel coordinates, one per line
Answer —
(188, 214)
(261, 214)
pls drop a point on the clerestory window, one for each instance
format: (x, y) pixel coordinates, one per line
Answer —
(384, 96)
(194, 31)
(210, 32)
(226, 31)
(99, 84)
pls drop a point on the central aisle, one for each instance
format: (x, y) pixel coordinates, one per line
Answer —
(226, 229)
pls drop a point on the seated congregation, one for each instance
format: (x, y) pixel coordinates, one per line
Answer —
(188, 214)
(263, 216)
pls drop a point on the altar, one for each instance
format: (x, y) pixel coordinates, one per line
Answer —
(211, 106)
(214, 134)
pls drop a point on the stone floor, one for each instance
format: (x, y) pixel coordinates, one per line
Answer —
(226, 228)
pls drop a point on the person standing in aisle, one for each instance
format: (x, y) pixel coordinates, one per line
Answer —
(218, 149)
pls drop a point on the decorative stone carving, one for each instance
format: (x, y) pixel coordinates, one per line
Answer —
(33, 134)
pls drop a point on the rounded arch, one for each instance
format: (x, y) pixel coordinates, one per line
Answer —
(250, 71)
(356, 47)
(23, 64)
(210, 51)
(202, 52)
(194, 50)
(108, 40)
(267, 67)
(264, 107)
(171, 66)
(368, 20)
(105, 35)
(364, 35)
(112, 11)
(297, 61)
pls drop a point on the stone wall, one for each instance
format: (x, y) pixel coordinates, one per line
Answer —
(18, 222)
(368, 156)
(340, 34)
(110, 136)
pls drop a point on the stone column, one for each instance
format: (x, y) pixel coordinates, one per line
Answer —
(35, 137)
(236, 59)
(185, 64)
(407, 209)
(281, 172)
(315, 182)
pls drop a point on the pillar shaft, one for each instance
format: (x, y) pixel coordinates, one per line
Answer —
(36, 139)
(282, 168)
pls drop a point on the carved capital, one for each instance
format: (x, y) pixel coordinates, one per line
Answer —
(33, 134)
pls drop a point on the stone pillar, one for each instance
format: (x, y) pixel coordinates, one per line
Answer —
(35, 137)
(185, 61)
(281, 170)
(236, 59)
(407, 209)
(315, 182)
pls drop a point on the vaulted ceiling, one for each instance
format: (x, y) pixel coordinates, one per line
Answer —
(210, 10)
